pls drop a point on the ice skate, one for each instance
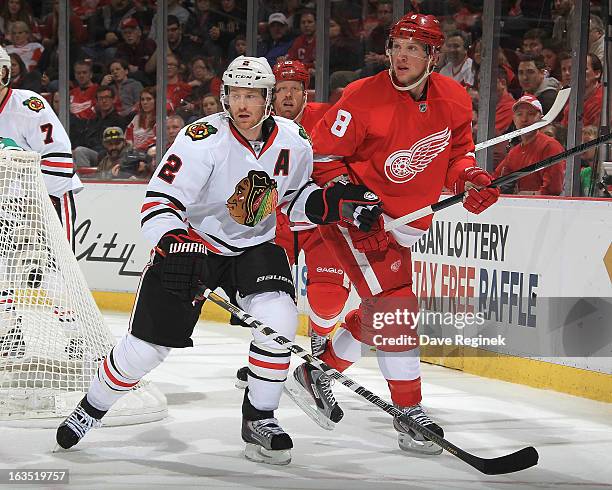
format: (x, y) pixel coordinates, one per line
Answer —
(266, 441)
(242, 378)
(317, 343)
(409, 440)
(78, 423)
(310, 389)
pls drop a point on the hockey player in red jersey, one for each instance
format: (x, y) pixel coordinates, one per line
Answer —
(405, 134)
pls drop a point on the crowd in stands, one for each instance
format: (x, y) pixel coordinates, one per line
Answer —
(113, 56)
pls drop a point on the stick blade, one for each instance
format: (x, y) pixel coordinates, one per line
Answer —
(510, 463)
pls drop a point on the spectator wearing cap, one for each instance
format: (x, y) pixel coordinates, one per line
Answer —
(134, 49)
(303, 47)
(597, 36)
(533, 80)
(85, 135)
(83, 96)
(593, 94)
(534, 147)
(278, 41)
(104, 32)
(459, 65)
(120, 160)
(127, 89)
(179, 44)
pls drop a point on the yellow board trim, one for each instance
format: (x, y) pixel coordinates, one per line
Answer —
(530, 372)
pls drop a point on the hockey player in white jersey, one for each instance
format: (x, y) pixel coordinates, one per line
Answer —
(29, 121)
(209, 212)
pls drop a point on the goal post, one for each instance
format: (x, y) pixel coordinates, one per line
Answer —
(52, 334)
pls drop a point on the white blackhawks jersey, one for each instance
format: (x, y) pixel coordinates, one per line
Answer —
(214, 183)
(27, 118)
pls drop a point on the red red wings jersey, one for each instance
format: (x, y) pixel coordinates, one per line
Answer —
(404, 150)
(313, 112)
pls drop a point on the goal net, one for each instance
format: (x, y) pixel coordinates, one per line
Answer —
(52, 335)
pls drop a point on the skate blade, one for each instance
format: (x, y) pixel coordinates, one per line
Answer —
(408, 444)
(240, 384)
(259, 454)
(303, 400)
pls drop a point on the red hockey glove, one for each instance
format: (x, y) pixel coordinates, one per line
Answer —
(182, 263)
(375, 240)
(475, 180)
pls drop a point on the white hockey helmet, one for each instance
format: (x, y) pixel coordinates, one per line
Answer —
(5, 62)
(249, 72)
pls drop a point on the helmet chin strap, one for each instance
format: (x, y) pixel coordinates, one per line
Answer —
(403, 88)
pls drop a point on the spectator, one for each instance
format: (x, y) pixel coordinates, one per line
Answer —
(21, 77)
(152, 162)
(83, 96)
(210, 105)
(49, 28)
(597, 37)
(505, 102)
(587, 162)
(238, 47)
(303, 47)
(533, 80)
(278, 41)
(127, 89)
(198, 30)
(177, 90)
(345, 52)
(85, 135)
(180, 45)
(174, 124)
(203, 78)
(459, 65)
(533, 42)
(534, 147)
(134, 49)
(565, 65)
(174, 9)
(55, 102)
(550, 54)
(14, 11)
(121, 161)
(29, 52)
(104, 28)
(140, 132)
(376, 59)
(593, 94)
(564, 18)
(227, 23)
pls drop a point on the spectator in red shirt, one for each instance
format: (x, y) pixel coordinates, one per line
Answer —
(534, 146)
(177, 90)
(140, 133)
(303, 47)
(49, 28)
(83, 96)
(134, 49)
(505, 101)
(593, 94)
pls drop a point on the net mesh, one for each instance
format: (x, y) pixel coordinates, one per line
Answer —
(52, 334)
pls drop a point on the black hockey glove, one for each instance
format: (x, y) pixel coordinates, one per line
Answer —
(343, 201)
(182, 263)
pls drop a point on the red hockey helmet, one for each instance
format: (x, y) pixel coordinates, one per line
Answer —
(423, 28)
(292, 70)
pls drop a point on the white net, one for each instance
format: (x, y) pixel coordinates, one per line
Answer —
(52, 335)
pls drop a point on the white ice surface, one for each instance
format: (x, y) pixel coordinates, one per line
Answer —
(199, 444)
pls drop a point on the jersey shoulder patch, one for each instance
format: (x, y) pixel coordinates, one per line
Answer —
(34, 104)
(200, 130)
(304, 134)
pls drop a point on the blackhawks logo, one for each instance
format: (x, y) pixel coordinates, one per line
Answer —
(199, 131)
(34, 104)
(254, 198)
(304, 134)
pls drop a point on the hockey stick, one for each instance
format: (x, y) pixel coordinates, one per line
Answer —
(517, 461)
(547, 162)
(551, 115)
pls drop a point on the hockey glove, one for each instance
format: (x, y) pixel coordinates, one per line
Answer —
(375, 240)
(343, 201)
(182, 263)
(479, 197)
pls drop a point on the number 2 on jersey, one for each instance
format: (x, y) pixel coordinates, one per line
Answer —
(341, 123)
(171, 167)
